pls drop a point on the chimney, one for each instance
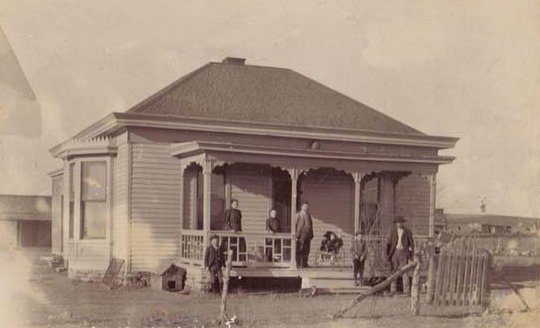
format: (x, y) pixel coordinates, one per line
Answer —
(234, 61)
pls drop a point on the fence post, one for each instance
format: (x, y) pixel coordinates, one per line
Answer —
(431, 271)
(415, 290)
(223, 309)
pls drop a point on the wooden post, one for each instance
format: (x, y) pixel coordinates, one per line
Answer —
(432, 203)
(431, 265)
(376, 289)
(431, 272)
(294, 173)
(415, 290)
(207, 195)
(223, 317)
(357, 201)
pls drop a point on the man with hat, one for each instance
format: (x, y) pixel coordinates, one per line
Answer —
(214, 261)
(400, 248)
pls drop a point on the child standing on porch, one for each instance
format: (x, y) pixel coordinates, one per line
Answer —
(358, 252)
(214, 261)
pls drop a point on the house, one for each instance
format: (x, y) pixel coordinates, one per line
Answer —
(25, 221)
(150, 185)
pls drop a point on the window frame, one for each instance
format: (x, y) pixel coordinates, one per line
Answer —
(78, 201)
(83, 201)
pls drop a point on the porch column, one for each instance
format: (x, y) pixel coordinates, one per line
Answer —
(432, 178)
(357, 194)
(182, 200)
(294, 173)
(207, 198)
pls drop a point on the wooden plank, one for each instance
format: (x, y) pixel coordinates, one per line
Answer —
(480, 265)
(466, 275)
(109, 279)
(454, 261)
(440, 274)
(460, 272)
(472, 275)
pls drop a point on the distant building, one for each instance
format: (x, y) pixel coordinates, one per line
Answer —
(25, 221)
(491, 224)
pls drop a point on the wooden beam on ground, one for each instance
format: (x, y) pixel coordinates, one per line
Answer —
(516, 291)
(376, 288)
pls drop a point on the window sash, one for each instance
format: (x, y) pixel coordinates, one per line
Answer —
(93, 219)
(94, 181)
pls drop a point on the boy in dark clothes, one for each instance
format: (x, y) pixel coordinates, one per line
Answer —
(214, 261)
(233, 217)
(358, 252)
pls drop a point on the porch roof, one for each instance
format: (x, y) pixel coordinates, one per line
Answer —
(236, 152)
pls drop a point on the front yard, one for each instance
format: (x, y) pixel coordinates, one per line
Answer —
(33, 295)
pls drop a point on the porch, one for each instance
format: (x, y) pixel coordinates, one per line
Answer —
(346, 194)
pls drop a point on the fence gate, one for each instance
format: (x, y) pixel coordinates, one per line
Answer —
(462, 277)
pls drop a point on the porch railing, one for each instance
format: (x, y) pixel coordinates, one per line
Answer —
(248, 248)
(192, 246)
(257, 248)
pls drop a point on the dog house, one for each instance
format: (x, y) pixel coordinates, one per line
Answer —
(173, 278)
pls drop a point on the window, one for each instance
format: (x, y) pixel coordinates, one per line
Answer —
(93, 200)
(71, 198)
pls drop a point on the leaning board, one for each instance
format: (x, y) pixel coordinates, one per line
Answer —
(115, 265)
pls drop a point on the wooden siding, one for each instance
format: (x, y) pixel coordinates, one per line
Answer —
(121, 193)
(252, 187)
(331, 199)
(412, 200)
(88, 255)
(155, 207)
(56, 215)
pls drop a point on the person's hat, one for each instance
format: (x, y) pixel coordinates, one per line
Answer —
(214, 237)
(399, 219)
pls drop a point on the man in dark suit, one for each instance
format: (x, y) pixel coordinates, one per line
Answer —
(400, 248)
(214, 261)
(304, 234)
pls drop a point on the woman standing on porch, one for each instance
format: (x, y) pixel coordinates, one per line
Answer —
(233, 217)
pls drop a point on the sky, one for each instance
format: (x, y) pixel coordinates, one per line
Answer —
(466, 69)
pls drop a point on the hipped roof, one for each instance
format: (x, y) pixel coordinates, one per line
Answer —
(238, 92)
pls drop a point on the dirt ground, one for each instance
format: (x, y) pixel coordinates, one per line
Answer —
(32, 295)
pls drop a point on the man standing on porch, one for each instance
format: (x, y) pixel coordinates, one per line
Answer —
(400, 248)
(233, 217)
(304, 234)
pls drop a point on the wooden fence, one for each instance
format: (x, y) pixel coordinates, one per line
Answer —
(462, 277)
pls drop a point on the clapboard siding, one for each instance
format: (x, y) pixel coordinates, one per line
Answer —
(155, 207)
(56, 215)
(253, 190)
(412, 200)
(331, 199)
(121, 202)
